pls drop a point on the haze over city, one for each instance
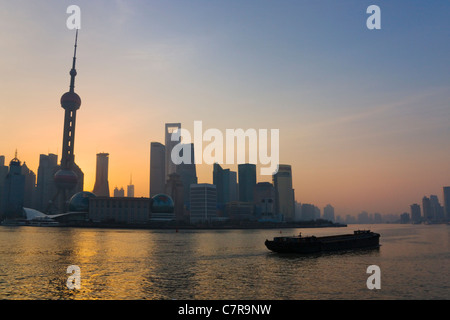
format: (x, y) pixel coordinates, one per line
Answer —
(364, 115)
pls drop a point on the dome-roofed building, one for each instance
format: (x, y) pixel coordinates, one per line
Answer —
(162, 208)
(80, 201)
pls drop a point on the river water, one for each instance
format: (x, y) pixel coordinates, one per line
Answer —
(414, 262)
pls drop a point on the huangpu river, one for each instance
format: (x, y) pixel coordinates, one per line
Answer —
(414, 262)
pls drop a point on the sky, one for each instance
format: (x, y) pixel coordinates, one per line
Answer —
(364, 115)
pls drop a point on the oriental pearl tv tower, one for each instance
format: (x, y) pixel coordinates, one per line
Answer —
(65, 178)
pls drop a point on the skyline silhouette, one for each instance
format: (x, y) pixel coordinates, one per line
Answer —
(363, 116)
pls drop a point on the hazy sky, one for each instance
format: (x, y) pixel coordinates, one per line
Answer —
(364, 115)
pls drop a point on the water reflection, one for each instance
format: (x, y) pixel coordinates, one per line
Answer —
(226, 264)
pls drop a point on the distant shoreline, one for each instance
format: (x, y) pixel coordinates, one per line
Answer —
(248, 226)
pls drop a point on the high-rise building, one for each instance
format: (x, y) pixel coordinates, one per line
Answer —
(175, 189)
(30, 186)
(203, 203)
(328, 213)
(3, 173)
(172, 138)
(437, 209)
(45, 185)
(187, 171)
(416, 215)
(66, 178)
(157, 168)
(221, 179)
(447, 202)
(130, 189)
(101, 186)
(284, 194)
(264, 200)
(247, 181)
(13, 190)
(118, 193)
(308, 212)
(234, 188)
(427, 209)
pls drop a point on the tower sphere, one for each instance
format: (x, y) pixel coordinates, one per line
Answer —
(70, 101)
(65, 179)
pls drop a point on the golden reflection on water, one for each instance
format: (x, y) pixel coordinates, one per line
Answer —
(215, 264)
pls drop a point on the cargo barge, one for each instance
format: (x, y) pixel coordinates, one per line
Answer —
(360, 239)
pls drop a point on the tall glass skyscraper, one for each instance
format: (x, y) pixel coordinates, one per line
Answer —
(247, 182)
(447, 202)
(157, 168)
(284, 194)
(101, 187)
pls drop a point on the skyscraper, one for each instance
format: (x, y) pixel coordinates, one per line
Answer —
(119, 193)
(447, 202)
(157, 168)
(66, 178)
(13, 190)
(284, 194)
(328, 213)
(234, 188)
(175, 189)
(221, 179)
(130, 188)
(45, 185)
(187, 172)
(247, 181)
(416, 215)
(170, 142)
(30, 186)
(3, 172)
(101, 186)
(264, 199)
(427, 209)
(203, 202)
(436, 208)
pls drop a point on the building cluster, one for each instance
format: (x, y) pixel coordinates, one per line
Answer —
(431, 210)
(233, 196)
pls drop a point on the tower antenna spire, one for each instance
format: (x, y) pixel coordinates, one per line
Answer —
(73, 72)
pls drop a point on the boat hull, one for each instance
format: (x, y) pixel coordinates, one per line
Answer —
(363, 240)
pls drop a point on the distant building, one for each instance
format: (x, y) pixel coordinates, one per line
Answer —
(404, 218)
(427, 209)
(101, 187)
(238, 210)
(377, 218)
(447, 202)
(328, 213)
(130, 189)
(187, 171)
(308, 212)
(119, 210)
(3, 173)
(45, 185)
(175, 189)
(13, 190)
(416, 215)
(119, 193)
(172, 138)
(284, 193)
(157, 168)
(436, 208)
(363, 218)
(264, 200)
(247, 181)
(30, 186)
(233, 184)
(221, 179)
(203, 199)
